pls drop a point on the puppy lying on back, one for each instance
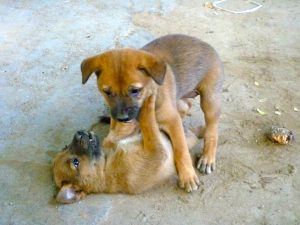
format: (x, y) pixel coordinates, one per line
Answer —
(138, 162)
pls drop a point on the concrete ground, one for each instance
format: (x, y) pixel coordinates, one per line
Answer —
(42, 103)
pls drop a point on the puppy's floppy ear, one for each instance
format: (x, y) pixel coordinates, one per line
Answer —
(153, 67)
(89, 66)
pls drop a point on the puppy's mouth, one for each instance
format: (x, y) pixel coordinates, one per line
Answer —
(127, 120)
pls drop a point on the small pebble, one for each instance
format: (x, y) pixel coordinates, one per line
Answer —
(64, 67)
(291, 169)
(276, 107)
(262, 100)
(280, 135)
(208, 5)
(277, 113)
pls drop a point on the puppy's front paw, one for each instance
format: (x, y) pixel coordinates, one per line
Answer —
(189, 181)
(206, 163)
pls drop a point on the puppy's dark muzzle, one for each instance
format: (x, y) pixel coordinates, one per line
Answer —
(85, 143)
(125, 115)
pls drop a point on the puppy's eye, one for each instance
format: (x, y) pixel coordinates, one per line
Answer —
(75, 162)
(135, 91)
(64, 183)
(108, 92)
(98, 73)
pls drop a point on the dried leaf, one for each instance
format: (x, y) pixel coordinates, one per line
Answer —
(262, 113)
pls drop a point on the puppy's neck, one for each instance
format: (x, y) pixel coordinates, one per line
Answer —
(98, 184)
(120, 130)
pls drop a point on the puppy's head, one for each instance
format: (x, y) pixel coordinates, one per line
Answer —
(75, 168)
(125, 77)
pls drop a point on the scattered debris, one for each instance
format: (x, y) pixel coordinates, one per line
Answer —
(277, 112)
(280, 135)
(64, 67)
(216, 3)
(256, 83)
(276, 107)
(266, 180)
(208, 5)
(226, 89)
(261, 207)
(296, 109)
(262, 100)
(291, 169)
(262, 113)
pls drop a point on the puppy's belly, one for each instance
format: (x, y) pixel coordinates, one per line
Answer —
(167, 168)
(146, 172)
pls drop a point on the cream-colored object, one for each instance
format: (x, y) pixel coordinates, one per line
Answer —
(208, 5)
(277, 112)
(263, 113)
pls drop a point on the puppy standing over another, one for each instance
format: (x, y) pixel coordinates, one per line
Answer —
(171, 67)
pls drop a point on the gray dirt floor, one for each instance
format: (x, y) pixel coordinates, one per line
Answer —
(42, 103)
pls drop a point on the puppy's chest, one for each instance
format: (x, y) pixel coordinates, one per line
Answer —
(130, 143)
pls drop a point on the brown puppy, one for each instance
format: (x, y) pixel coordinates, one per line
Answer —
(135, 164)
(170, 67)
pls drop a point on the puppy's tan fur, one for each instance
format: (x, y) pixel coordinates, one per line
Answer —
(171, 67)
(132, 165)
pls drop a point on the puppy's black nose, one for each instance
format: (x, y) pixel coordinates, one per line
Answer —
(85, 143)
(79, 134)
(81, 139)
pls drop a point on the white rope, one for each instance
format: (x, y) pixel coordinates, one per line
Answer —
(216, 3)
